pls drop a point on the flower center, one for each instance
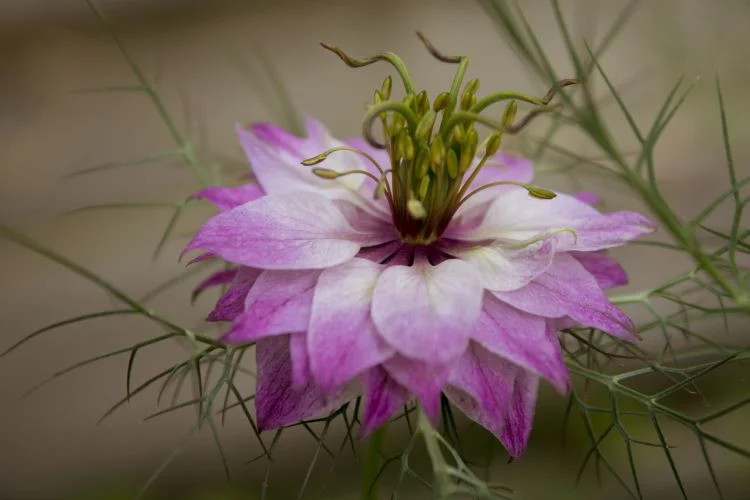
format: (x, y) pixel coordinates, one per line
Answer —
(433, 145)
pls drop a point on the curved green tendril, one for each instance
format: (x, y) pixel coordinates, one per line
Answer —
(375, 111)
(389, 57)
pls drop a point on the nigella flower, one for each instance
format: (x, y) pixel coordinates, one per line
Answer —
(422, 266)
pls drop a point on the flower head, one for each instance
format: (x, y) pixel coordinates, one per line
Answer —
(419, 265)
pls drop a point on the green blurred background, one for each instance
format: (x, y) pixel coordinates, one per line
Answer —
(199, 52)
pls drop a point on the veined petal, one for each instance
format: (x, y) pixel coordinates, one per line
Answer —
(277, 403)
(299, 230)
(481, 386)
(232, 303)
(520, 413)
(567, 289)
(279, 302)
(383, 397)
(426, 312)
(516, 216)
(606, 270)
(342, 340)
(503, 267)
(218, 278)
(300, 360)
(521, 338)
(226, 198)
(424, 380)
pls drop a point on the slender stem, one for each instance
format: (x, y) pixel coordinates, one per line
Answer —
(372, 464)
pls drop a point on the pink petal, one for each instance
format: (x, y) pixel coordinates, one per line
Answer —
(503, 267)
(300, 360)
(278, 303)
(607, 271)
(216, 279)
(277, 402)
(342, 339)
(232, 303)
(481, 386)
(567, 289)
(380, 253)
(588, 197)
(383, 397)
(426, 312)
(226, 198)
(516, 216)
(424, 380)
(291, 231)
(521, 338)
(501, 167)
(520, 413)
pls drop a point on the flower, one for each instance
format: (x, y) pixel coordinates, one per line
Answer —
(446, 273)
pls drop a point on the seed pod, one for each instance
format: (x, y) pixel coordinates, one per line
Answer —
(451, 163)
(423, 187)
(424, 127)
(385, 88)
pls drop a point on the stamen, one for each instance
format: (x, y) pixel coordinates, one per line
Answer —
(545, 235)
(389, 57)
(487, 101)
(327, 173)
(416, 209)
(534, 191)
(375, 111)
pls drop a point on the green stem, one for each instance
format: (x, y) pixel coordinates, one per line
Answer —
(372, 464)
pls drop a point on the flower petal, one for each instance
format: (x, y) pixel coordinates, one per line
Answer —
(300, 360)
(275, 156)
(426, 312)
(424, 380)
(232, 303)
(216, 279)
(520, 413)
(607, 271)
(567, 289)
(503, 267)
(521, 338)
(516, 216)
(481, 385)
(299, 230)
(226, 198)
(587, 197)
(383, 397)
(342, 340)
(277, 403)
(278, 303)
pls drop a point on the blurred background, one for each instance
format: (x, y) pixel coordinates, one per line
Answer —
(200, 54)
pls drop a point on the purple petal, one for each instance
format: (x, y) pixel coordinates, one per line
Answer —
(299, 230)
(520, 413)
(503, 267)
(426, 312)
(424, 380)
(232, 303)
(380, 253)
(514, 215)
(278, 303)
(567, 289)
(277, 403)
(587, 197)
(300, 360)
(501, 167)
(521, 338)
(383, 397)
(607, 271)
(481, 386)
(275, 157)
(216, 279)
(342, 339)
(226, 198)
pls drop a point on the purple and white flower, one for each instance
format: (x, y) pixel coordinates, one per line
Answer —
(455, 285)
